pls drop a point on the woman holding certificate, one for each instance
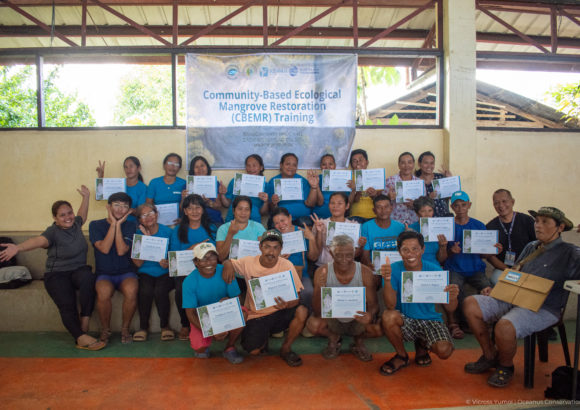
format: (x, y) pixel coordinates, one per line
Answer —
(361, 201)
(326, 162)
(254, 166)
(435, 252)
(166, 190)
(403, 207)
(154, 280)
(200, 167)
(425, 172)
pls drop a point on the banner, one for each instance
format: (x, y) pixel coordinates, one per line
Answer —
(270, 104)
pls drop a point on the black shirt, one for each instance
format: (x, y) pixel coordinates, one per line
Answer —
(523, 233)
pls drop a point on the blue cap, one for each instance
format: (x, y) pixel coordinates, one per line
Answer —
(459, 195)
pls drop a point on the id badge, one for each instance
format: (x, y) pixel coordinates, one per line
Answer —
(510, 258)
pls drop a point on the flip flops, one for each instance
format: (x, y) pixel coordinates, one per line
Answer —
(456, 331)
(140, 336)
(291, 358)
(167, 335)
(94, 346)
(501, 377)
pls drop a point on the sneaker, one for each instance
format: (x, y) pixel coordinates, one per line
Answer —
(233, 356)
(481, 366)
(203, 355)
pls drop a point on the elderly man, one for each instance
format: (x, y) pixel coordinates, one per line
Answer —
(284, 315)
(548, 257)
(343, 272)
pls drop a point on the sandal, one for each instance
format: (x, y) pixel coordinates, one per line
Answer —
(482, 365)
(167, 335)
(361, 352)
(291, 358)
(105, 335)
(93, 346)
(502, 376)
(331, 351)
(389, 367)
(456, 331)
(424, 359)
(126, 337)
(184, 334)
(140, 336)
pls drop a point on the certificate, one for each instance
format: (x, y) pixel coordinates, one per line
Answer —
(266, 288)
(380, 258)
(333, 180)
(149, 248)
(167, 213)
(220, 317)
(445, 187)
(424, 287)
(180, 263)
(105, 187)
(204, 185)
(342, 302)
(431, 227)
(480, 241)
(293, 242)
(249, 185)
(369, 178)
(244, 247)
(342, 228)
(409, 190)
(288, 189)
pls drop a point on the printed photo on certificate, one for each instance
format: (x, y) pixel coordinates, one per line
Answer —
(445, 187)
(180, 263)
(149, 248)
(431, 227)
(409, 190)
(105, 187)
(244, 247)
(221, 317)
(336, 180)
(293, 242)
(369, 178)
(249, 185)
(204, 185)
(288, 189)
(476, 241)
(380, 258)
(167, 214)
(266, 288)
(424, 287)
(342, 228)
(342, 303)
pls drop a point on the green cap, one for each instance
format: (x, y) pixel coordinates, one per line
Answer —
(555, 214)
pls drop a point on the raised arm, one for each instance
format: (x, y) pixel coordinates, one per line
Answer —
(389, 294)
(10, 249)
(83, 211)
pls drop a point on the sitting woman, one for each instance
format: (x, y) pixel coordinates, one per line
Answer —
(200, 167)
(194, 227)
(154, 280)
(435, 252)
(66, 268)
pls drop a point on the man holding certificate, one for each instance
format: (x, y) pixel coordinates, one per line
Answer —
(414, 322)
(342, 273)
(275, 314)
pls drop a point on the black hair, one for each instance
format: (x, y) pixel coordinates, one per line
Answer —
(344, 196)
(421, 202)
(199, 158)
(503, 191)
(403, 236)
(405, 153)
(136, 161)
(328, 155)
(381, 197)
(257, 158)
(241, 198)
(356, 152)
(58, 204)
(120, 197)
(280, 211)
(206, 224)
(423, 155)
(286, 155)
(173, 154)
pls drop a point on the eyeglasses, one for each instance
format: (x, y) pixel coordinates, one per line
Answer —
(148, 214)
(120, 205)
(175, 164)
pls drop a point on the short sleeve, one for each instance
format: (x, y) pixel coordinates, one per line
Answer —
(233, 289)
(151, 190)
(222, 232)
(49, 234)
(189, 295)
(365, 234)
(95, 232)
(230, 192)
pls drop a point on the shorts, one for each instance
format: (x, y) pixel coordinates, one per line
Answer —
(428, 331)
(197, 340)
(524, 321)
(116, 280)
(350, 328)
(258, 330)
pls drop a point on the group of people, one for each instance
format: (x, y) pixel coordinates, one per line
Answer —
(527, 243)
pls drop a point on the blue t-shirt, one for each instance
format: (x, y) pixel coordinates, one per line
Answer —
(252, 232)
(154, 268)
(379, 239)
(138, 194)
(300, 258)
(322, 211)
(465, 263)
(161, 193)
(256, 205)
(296, 208)
(424, 311)
(111, 263)
(431, 248)
(199, 291)
(193, 236)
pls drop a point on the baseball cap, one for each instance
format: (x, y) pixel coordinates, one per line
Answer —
(459, 195)
(202, 249)
(272, 235)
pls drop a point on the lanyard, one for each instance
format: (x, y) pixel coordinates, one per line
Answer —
(509, 234)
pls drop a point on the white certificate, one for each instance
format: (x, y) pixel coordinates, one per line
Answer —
(149, 248)
(244, 247)
(480, 241)
(380, 258)
(167, 213)
(342, 228)
(288, 189)
(220, 317)
(105, 187)
(431, 227)
(293, 242)
(409, 190)
(445, 187)
(335, 180)
(180, 263)
(424, 287)
(204, 185)
(266, 288)
(369, 178)
(249, 185)
(342, 302)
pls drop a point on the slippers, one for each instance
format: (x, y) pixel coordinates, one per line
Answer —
(502, 376)
(167, 335)
(126, 337)
(389, 367)
(105, 335)
(456, 331)
(361, 352)
(184, 334)
(140, 336)
(423, 359)
(94, 346)
(291, 358)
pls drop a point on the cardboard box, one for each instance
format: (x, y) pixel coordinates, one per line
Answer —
(522, 289)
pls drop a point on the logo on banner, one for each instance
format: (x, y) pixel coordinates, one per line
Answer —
(263, 71)
(250, 70)
(232, 72)
(293, 71)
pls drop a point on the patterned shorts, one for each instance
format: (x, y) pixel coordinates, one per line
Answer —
(428, 331)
